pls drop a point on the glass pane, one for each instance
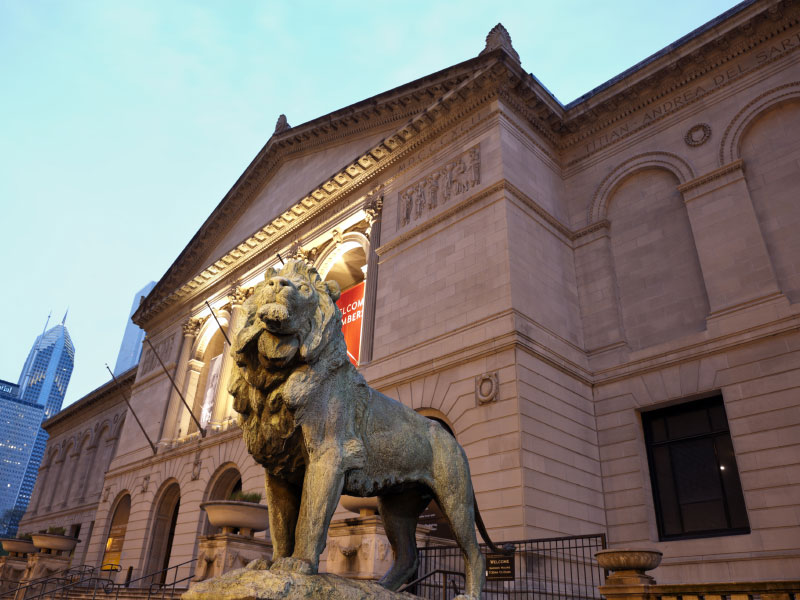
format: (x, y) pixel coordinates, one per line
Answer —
(696, 472)
(689, 423)
(731, 484)
(704, 516)
(670, 516)
(658, 430)
(718, 420)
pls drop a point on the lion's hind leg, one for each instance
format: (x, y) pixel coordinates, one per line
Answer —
(455, 498)
(400, 513)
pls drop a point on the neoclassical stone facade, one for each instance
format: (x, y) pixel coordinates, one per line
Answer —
(82, 441)
(601, 300)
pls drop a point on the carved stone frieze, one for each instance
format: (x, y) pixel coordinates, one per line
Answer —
(164, 349)
(454, 178)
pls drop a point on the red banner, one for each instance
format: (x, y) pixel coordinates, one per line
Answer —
(351, 303)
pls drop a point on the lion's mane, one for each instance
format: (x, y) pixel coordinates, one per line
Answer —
(271, 368)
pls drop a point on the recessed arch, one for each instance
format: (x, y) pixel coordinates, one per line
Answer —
(226, 480)
(116, 531)
(439, 417)
(730, 147)
(350, 241)
(207, 333)
(164, 517)
(598, 208)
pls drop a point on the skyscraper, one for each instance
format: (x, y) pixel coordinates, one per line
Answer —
(131, 347)
(20, 421)
(42, 387)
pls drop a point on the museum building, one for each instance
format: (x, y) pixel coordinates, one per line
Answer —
(600, 300)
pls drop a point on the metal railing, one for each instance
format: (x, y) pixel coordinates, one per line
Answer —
(157, 584)
(37, 586)
(448, 583)
(562, 568)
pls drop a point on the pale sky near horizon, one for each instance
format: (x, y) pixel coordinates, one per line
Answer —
(123, 124)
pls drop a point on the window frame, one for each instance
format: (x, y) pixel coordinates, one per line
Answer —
(713, 434)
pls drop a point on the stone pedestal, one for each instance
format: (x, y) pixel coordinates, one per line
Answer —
(628, 580)
(12, 569)
(359, 549)
(44, 564)
(254, 584)
(218, 554)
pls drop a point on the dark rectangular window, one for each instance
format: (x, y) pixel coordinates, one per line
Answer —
(693, 470)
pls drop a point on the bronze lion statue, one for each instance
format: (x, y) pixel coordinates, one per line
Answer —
(309, 417)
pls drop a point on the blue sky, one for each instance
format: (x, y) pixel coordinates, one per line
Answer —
(123, 124)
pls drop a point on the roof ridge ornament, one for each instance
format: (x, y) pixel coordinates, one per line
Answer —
(282, 125)
(499, 38)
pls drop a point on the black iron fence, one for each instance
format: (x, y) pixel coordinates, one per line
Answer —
(561, 568)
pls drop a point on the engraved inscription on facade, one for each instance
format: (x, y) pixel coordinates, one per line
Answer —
(438, 187)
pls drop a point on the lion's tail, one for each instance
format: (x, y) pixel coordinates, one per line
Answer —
(506, 549)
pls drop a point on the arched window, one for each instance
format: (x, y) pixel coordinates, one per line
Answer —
(116, 533)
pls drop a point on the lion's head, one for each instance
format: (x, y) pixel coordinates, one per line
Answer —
(292, 311)
(291, 324)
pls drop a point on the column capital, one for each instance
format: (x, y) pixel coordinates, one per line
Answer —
(238, 295)
(192, 326)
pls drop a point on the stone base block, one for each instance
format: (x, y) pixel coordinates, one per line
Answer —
(44, 565)
(12, 569)
(252, 584)
(218, 554)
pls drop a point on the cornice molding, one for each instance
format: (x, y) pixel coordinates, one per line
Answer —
(697, 182)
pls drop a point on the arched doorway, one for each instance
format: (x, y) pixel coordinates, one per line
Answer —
(229, 481)
(163, 532)
(116, 534)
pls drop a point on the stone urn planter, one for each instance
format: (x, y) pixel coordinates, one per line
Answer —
(628, 565)
(232, 514)
(52, 543)
(363, 507)
(17, 546)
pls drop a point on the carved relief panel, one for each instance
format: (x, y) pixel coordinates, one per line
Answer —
(442, 185)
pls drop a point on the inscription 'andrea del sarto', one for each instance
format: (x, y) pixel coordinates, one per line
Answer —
(704, 85)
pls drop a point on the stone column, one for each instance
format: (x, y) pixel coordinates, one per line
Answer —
(734, 259)
(374, 210)
(169, 427)
(222, 403)
(187, 424)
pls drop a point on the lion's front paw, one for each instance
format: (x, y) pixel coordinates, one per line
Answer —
(259, 564)
(289, 564)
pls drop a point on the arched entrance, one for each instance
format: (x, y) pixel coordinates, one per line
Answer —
(163, 531)
(229, 481)
(346, 264)
(116, 534)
